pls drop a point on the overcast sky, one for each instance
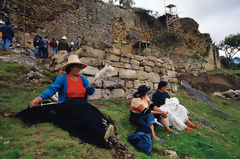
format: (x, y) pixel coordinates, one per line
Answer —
(219, 18)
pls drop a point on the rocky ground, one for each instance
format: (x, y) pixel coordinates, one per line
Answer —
(210, 83)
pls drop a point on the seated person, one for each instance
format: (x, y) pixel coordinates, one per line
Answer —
(141, 106)
(177, 114)
(72, 112)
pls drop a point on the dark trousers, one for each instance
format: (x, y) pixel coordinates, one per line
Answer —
(45, 52)
(78, 117)
(41, 52)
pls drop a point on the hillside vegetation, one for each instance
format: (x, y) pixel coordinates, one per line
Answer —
(45, 140)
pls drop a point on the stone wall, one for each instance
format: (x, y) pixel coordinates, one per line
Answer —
(130, 72)
(104, 22)
(213, 60)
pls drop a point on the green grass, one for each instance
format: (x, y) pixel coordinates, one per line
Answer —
(45, 140)
(224, 71)
(202, 143)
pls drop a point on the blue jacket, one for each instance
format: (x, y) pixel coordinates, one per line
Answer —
(60, 85)
(7, 32)
(142, 141)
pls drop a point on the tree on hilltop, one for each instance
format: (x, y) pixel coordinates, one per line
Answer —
(230, 45)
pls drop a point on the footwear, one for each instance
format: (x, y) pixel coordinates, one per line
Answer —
(109, 132)
(173, 132)
(161, 140)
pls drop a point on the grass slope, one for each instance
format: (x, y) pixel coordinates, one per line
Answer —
(18, 140)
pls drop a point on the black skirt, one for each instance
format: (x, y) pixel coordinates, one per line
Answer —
(79, 118)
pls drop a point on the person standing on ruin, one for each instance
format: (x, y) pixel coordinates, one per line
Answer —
(7, 35)
(53, 45)
(63, 45)
(41, 47)
(1, 25)
(36, 44)
(46, 43)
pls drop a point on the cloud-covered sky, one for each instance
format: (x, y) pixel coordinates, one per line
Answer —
(219, 18)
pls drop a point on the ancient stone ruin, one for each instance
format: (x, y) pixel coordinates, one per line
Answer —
(130, 72)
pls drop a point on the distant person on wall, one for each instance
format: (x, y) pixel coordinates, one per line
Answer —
(7, 35)
(41, 47)
(56, 49)
(53, 45)
(46, 43)
(77, 42)
(36, 45)
(72, 46)
(177, 113)
(1, 25)
(63, 45)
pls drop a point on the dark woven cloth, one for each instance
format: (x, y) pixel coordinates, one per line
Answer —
(78, 117)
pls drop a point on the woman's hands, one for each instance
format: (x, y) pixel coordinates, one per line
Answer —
(35, 102)
(163, 113)
(92, 85)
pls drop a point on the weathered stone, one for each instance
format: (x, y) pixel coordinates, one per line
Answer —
(96, 95)
(129, 94)
(138, 83)
(125, 60)
(89, 70)
(173, 80)
(171, 74)
(113, 58)
(154, 77)
(90, 52)
(115, 51)
(171, 154)
(142, 75)
(174, 87)
(126, 65)
(106, 93)
(88, 61)
(148, 63)
(113, 82)
(134, 67)
(129, 74)
(139, 58)
(164, 78)
(229, 94)
(114, 72)
(57, 67)
(118, 93)
(78, 51)
(156, 69)
(141, 69)
(237, 92)
(129, 84)
(152, 58)
(148, 69)
(61, 58)
(135, 62)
